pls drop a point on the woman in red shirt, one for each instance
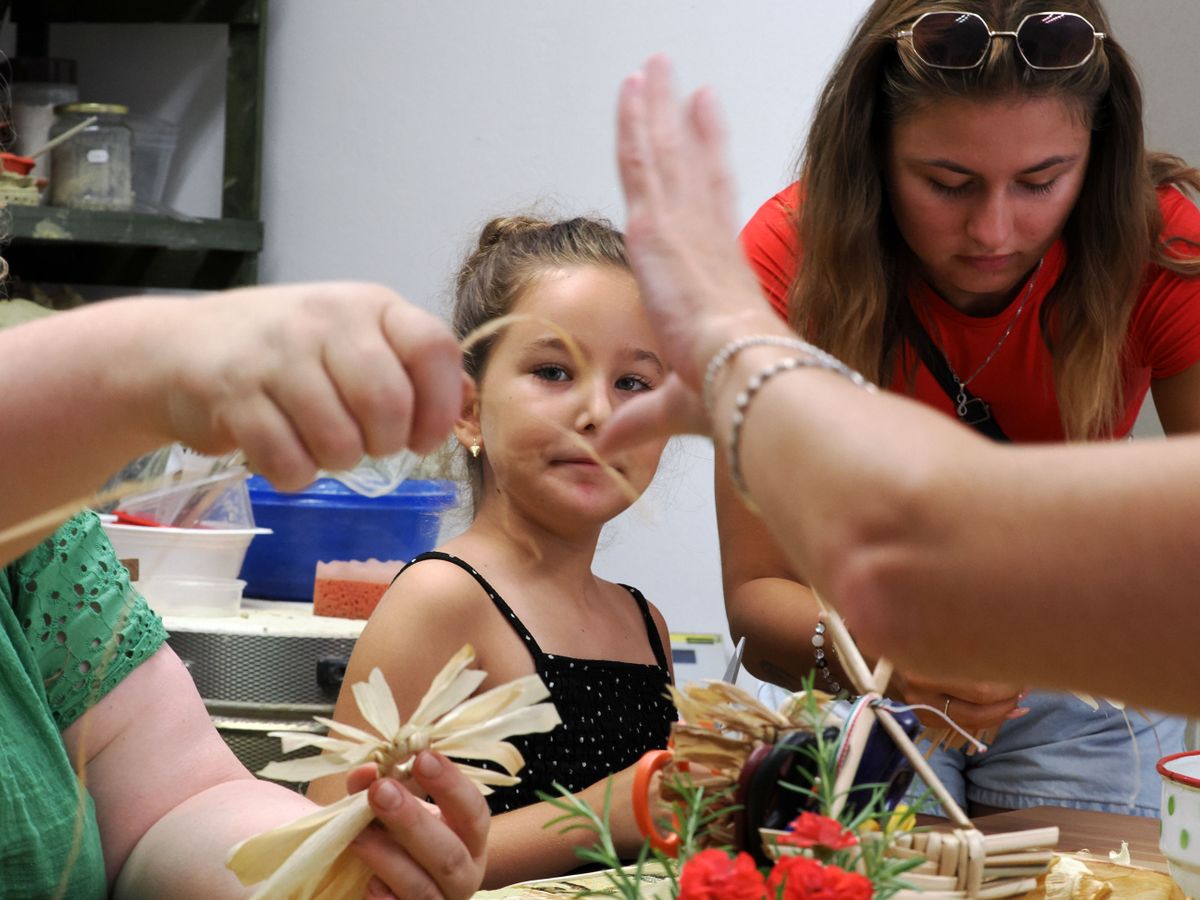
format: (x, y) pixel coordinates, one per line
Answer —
(977, 224)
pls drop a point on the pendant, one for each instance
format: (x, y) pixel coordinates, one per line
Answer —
(973, 411)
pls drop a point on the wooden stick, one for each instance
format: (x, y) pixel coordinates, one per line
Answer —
(855, 733)
(882, 674)
(1028, 858)
(65, 136)
(1014, 888)
(1013, 841)
(922, 768)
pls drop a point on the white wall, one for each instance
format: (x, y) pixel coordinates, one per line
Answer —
(394, 129)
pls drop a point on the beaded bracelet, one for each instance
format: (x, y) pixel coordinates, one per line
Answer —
(818, 642)
(817, 360)
(723, 357)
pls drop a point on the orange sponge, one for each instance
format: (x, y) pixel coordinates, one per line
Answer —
(351, 589)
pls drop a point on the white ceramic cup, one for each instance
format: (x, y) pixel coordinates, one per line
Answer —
(1180, 813)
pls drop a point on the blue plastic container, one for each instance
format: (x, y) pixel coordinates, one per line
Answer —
(328, 521)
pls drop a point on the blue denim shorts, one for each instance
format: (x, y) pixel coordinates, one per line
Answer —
(1063, 753)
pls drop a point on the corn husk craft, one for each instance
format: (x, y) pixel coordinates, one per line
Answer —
(308, 858)
(728, 735)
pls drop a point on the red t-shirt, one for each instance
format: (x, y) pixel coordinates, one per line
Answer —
(1018, 384)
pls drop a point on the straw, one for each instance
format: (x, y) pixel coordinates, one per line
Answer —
(64, 137)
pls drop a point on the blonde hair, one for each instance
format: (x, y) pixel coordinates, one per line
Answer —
(512, 253)
(850, 290)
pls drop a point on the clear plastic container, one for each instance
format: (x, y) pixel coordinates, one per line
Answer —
(94, 169)
(175, 595)
(154, 142)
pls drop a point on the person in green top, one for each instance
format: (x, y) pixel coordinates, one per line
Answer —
(113, 781)
(72, 629)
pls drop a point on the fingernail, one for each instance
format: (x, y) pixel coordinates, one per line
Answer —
(387, 795)
(1018, 712)
(428, 765)
(377, 889)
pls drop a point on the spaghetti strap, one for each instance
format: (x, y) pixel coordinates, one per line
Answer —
(651, 628)
(517, 625)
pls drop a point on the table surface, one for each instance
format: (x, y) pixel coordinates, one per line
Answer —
(1082, 829)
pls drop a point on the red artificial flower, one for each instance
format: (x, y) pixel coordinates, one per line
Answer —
(712, 875)
(812, 830)
(803, 878)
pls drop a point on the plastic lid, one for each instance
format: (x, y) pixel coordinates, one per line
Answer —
(42, 69)
(413, 493)
(91, 109)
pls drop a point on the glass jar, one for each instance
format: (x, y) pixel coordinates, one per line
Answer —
(93, 169)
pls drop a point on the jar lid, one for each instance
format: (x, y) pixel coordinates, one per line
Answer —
(92, 109)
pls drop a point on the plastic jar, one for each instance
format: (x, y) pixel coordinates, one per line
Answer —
(93, 170)
(39, 85)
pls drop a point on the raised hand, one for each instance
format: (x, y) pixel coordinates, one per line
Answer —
(681, 235)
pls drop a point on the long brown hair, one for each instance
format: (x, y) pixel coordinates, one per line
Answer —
(850, 290)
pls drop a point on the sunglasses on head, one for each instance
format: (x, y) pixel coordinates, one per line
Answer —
(960, 40)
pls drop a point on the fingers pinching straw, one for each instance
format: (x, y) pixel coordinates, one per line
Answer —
(963, 863)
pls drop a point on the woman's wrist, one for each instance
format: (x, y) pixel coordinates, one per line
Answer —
(742, 371)
(717, 331)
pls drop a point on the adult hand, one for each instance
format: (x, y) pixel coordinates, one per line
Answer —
(974, 706)
(418, 850)
(681, 237)
(304, 377)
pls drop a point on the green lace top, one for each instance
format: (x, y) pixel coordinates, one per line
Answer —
(70, 629)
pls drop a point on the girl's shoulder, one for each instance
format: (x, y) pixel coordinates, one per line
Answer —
(435, 587)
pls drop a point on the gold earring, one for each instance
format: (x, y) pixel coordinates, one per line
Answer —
(475, 448)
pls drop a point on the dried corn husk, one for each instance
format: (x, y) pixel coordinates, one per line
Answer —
(308, 858)
(719, 723)
(1071, 879)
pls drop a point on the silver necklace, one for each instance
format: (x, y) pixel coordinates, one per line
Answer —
(961, 403)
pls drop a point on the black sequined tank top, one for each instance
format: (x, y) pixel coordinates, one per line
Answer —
(612, 712)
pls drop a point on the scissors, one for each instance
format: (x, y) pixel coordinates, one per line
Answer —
(735, 662)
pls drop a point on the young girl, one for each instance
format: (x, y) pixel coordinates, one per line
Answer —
(518, 583)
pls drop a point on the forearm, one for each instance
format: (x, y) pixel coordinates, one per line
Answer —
(521, 847)
(778, 618)
(918, 529)
(766, 599)
(79, 402)
(183, 854)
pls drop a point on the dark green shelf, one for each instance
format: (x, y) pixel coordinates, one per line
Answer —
(242, 12)
(130, 249)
